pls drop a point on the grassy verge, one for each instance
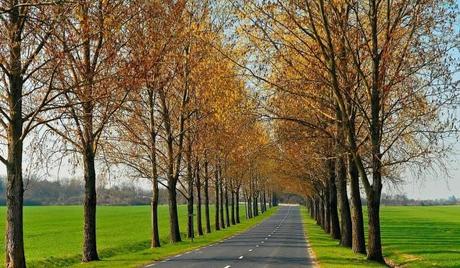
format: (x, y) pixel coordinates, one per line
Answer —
(53, 235)
(146, 256)
(327, 250)
(411, 237)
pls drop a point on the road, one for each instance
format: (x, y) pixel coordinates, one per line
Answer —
(276, 242)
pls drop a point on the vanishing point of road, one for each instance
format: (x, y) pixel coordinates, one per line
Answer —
(278, 241)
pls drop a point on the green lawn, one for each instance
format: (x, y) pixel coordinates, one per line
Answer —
(328, 252)
(53, 235)
(412, 237)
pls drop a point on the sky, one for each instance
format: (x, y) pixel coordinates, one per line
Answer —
(436, 185)
(432, 185)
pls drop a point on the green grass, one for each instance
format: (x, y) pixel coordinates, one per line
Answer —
(53, 235)
(411, 237)
(422, 236)
(328, 252)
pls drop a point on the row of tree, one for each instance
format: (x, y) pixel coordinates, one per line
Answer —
(140, 87)
(171, 92)
(360, 91)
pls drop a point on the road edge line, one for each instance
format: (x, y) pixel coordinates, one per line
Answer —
(311, 252)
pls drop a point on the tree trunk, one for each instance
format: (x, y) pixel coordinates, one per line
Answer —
(312, 208)
(221, 193)
(269, 199)
(357, 223)
(374, 251)
(237, 201)
(89, 241)
(262, 205)
(217, 216)
(321, 212)
(249, 207)
(265, 202)
(373, 192)
(15, 186)
(344, 206)
(327, 209)
(14, 202)
(233, 207)
(155, 233)
(246, 207)
(190, 228)
(316, 213)
(315, 203)
(334, 227)
(227, 214)
(255, 207)
(173, 216)
(199, 225)
(206, 197)
(274, 200)
(153, 154)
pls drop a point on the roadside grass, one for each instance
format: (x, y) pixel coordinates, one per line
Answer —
(53, 235)
(412, 237)
(328, 251)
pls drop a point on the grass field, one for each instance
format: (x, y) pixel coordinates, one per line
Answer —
(53, 235)
(412, 237)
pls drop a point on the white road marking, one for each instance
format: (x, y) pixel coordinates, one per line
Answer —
(241, 257)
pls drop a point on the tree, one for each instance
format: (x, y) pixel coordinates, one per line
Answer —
(91, 42)
(28, 92)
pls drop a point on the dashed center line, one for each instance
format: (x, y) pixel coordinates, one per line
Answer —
(277, 227)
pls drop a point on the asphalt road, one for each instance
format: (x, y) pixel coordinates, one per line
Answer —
(276, 242)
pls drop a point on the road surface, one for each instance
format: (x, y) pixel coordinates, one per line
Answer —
(276, 242)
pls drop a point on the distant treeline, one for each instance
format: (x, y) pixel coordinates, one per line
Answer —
(403, 200)
(289, 198)
(70, 192)
(387, 200)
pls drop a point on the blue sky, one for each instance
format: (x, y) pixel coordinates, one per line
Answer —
(436, 185)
